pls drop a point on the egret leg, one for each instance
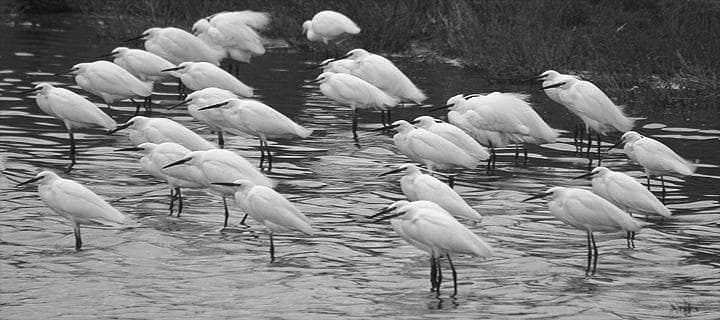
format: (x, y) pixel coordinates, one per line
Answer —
(433, 274)
(243, 219)
(78, 239)
(439, 275)
(662, 181)
(575, 138)
(221, 139)
(454, 274)
(451, 181)
(137, 106)
(595, 252)
(72, 151)
(598, 150)
(525, 154)
(382, 118)
(272, 249)
(262, 154)
(589, 255)
(172, 200)
(227, 213)
(269, 155)
(354, 123)
(389, 120)
(148, 104)
(631, 239)
(589, 144)
(648, 182)
(180, 200)
(517, 153)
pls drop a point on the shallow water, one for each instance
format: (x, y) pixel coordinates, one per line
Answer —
(169, 267)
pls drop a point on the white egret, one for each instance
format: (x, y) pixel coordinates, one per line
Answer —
(336, 65)
(625, 192)
(453, 134)
(72, 109)
(220, 165)
(144, 65)
(592, 105)
(584, 210)
(178, 46)
(270, 208)
(419, 186)
(437, 232)
(201, 75)
(551, 77)
(329, 26)
(214, 119)
(430, 149)
(354, 92)
(382, 73)
(111, 82)
(655, 157)
(252, 117)
(159, 130)
(234, 32)
(76, 203)
(156, 156)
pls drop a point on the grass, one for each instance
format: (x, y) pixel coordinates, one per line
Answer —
(667, 48)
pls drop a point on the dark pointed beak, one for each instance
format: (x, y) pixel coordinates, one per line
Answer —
(129, 149)
(313, 81)
(537, 77)
(589, 174)
(65, 71)
(542, 195)
(382, 212)
(554, 85)
(29, 90)
(28, 181)
(398, 170)
(172, 69)
(392, 126)
(182, 103)
(181, 161)
(135, 38)
(227, 184)
(443, 107)
(345, 56)
(217, 105)
(614, 146)
(119, 127)
(385, 211)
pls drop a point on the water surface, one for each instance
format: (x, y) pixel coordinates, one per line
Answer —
(168, 267)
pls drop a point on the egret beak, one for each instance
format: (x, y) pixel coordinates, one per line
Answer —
(615, 145)
(28, 181)
(443, 107)
(172, 69)
(181, 161)
(542, 195)
(217, 105)
(111, 54)
(316, 66)
(382, 212)
(120, 127)
(538, 77)
(345, 56)
(386, 127)
(135, 38)
(398, 170)
(71, 70)
(227, 184)
(182, 103)
(313, 81)
(589, 174)
(129, 149)
(471, 95)
(555, 85)
(30, 90)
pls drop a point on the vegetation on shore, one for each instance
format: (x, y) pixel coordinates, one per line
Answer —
(629, 47)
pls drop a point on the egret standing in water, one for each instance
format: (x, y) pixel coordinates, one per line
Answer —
(72, 109)
(220, 165)
(252, 117)
(435, 231)
(430, 149)
(111, 82)
(592, 105)
(584, 210)
(416, 185)
(625, 192)
(214, 119)
(453, 134)
(201, 75)
(159, 130)
(329, 26)
(354, 92)
(156, 156)
(270, 208)
(178, 46)
(655, 157)
(76, 203)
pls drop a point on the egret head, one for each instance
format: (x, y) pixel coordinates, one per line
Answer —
(597, 172)
(181, 67)
(201, 26)
(191, 158)
(323, 77)
(238, 184)
(44, 177)
(120, 51)
(402, 126)
(425, 121)
(630, 137)
(306, 26)
(355, 54)
(554, 191)
(405, 167)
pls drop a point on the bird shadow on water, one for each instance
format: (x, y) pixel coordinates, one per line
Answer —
(439, 303)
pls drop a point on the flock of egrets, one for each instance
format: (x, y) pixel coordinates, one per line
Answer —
(360, 80)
